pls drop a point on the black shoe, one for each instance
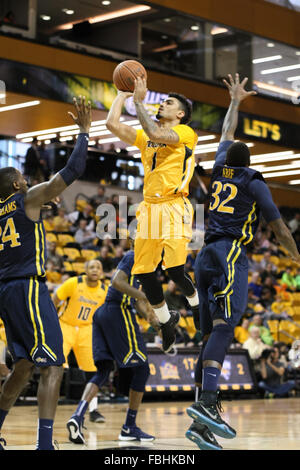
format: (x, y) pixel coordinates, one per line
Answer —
(168, 331)
(206, 411)
(75, 433)
(202, 436)
(96, 417)
(196, 317)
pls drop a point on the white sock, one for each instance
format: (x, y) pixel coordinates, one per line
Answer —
(93, 404)
(162, 313)
(193, 301)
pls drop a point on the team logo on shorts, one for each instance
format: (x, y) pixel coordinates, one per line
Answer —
(41, 360)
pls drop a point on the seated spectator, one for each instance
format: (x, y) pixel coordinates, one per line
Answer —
(265, 334)
(267, 261)
(297, 279)
(253, 266)
(86, 214)
(99, 198)
(252, 299)
(294, 355)
(268, 293)
(294, 224)
(48, 221)
(254, 344)
(269, 272)
(190, 261)
(61, 221)
(53, 276)
(107, 241)
(255, 284)
(241, 332)
(288, 280)
(272, 372)
(119, 253)
(56, 259)
(107, 262)
(84, 237)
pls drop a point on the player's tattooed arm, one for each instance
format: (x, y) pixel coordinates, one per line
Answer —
(114, 125)
(285, 238)
(120, 282)
(237, 93)
(152, 129)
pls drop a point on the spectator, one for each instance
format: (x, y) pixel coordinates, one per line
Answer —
(86, 214)
(107, 262)
(267, 261)
(268, 293)
(241, 332)
(269, 271)
(52, 256)
(253, 266)
(107, 241)
(99, 198)
(265, 334)
(119, 253)
(288, 280)
(32, 166)
(297, 279)
(190, 261)
(61, 221)
(255, 284)
(254, 344)
(44, 160)
(49, 222)
(84, 236)
(294, 224)
(272, 372)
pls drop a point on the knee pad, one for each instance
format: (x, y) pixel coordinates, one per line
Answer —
(140, 377)
(152, 287)
(102, 374)
(218, 343)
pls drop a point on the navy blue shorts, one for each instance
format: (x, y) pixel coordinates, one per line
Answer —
(31, 322)
(116, 336)
(221, 275)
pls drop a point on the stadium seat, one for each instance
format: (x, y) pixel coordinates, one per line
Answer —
(89, 254)
(72, 253)
(64, 238)
(68, 266)
(79, 268)
(51, 237)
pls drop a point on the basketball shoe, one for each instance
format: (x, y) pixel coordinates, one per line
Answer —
(134, 434)
(168, 331)
(206, 411)
(75, 431)
(202, 436)
(96, 417)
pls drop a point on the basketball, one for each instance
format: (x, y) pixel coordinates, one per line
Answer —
(125, 73)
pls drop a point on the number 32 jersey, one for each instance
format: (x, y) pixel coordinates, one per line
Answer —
(22, 241)
(233, 211)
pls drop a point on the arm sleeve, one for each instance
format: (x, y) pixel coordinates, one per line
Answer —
(220, 157)
(67, 289)
(261, 193)
(76, 164)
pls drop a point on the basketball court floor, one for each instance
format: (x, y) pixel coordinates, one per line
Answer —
(261, 424)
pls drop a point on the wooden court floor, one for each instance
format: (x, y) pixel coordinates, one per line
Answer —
(261, 424)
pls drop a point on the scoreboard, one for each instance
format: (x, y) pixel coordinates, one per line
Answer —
(176, 373)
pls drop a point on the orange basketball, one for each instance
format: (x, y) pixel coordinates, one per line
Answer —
(125, 73)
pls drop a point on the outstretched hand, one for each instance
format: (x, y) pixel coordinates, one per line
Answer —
(237, 89)
(84, 114)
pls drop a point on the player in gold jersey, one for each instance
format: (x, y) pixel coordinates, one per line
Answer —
(165, 216)
(82, 296)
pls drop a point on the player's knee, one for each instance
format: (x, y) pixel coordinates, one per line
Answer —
(152, 288)
(103, 370)
(219, 341)
(140, 377)
(182, 279)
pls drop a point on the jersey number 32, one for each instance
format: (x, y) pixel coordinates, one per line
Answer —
(222, 206)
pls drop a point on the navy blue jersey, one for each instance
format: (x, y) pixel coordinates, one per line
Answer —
(22, 241)
(237, 196)
(115, 295)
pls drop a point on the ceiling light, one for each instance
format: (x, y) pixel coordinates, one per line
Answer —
(206, 137)
(45, 17)
(46, 137)
(292, 79)
(20, 105)
(270, 44)
(290, 166)
(109, 140)
(277, 174)
(297, 52)
(218, 30)
(276, 89)
(266, 59)
(195, 27)
(294, 182)
(280, 69)
(109, 16)
(167, 20)
(106, 2)
(67, 11)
